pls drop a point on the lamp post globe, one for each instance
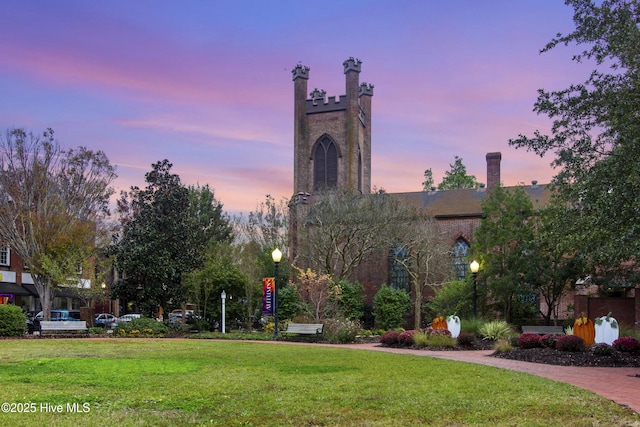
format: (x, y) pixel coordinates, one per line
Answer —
(474, 270)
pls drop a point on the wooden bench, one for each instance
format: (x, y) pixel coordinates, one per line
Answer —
(543, 330)
(315, 329)
(63, 326)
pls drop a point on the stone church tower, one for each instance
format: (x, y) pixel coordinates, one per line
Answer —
(332, 135)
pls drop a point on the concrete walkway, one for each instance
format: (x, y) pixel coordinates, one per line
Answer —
(621, 385)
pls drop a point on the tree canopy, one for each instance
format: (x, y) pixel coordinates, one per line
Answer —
(341, 228)
(502, 241)
(166, 228)
(456, 177)
(53, 208)
(595, 134)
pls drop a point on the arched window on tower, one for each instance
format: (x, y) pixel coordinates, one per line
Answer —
(398, 263)
(325, 164)
(460, 252)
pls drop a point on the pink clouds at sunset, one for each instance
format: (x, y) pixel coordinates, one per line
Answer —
(207, 85)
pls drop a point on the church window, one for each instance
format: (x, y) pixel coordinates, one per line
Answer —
(460, 252)
(398, 264)
(325, 164)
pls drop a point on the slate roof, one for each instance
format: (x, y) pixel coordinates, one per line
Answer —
(464, 202)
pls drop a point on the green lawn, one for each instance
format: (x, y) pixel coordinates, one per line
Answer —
(164, 382)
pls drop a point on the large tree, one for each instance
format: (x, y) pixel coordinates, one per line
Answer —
(553, 265)
(501, 243)
(166, 228)
(596, 132)
(219, 273)
(342, 228)
(425, 255)
(53, 208)
(257, 236)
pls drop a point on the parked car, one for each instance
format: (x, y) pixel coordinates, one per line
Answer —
(33, 321)
(176, 316)
(105, 320)
(127, 318)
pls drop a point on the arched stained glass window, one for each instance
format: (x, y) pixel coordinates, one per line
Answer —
(398, 263)
(460, 252)
(325, 164)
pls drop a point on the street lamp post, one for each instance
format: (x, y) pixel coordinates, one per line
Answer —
(223, 296)
(474, 269)
(276, 255)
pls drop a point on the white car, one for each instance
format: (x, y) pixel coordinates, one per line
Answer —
(127, 318)
(105, 320)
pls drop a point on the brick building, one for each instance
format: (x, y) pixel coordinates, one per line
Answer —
(332, 148)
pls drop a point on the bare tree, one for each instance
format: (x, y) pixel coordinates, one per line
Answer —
(53, 204)
(267, 226)
(340, 229)
(426, 255)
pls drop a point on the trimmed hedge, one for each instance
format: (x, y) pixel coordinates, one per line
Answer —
(13, 321)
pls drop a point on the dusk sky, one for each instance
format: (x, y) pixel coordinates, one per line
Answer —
(207, 84)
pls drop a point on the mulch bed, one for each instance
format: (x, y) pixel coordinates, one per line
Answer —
(550, 356)
(585, 357)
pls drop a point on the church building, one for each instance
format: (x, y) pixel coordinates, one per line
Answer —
(332, 149)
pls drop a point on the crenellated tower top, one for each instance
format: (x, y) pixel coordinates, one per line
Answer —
(352, 64)
(300, 71)
(365, 89)
(332, 134)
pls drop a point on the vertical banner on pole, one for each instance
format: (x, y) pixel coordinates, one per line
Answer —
(268, 292)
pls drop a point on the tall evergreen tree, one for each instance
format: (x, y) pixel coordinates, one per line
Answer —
(165, 230)
(501, 243)
(596, 133)
(457, 177)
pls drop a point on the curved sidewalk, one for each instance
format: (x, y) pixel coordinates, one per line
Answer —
(621, 385)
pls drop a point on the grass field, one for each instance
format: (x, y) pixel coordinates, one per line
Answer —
(164, 382)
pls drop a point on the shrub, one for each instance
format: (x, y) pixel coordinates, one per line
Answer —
(549, 340)
(179, 328)
(453, 297)
(466, 339)
(570, 343)
(97, 330)
(406, 337)
(496, 330)
(441, 340)
(389, 338)
(626, 344)
(350, 300)
(471, 325)
(529, 340)
(140, 324)
(391, 305)
(12, 321)
(342, 331)
(602, 349)
(420, 339)
(503, 345)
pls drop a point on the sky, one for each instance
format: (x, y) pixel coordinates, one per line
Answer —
(207, 84)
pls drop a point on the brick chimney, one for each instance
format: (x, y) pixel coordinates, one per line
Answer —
(493, 169)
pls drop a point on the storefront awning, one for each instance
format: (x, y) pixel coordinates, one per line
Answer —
(14, 289)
